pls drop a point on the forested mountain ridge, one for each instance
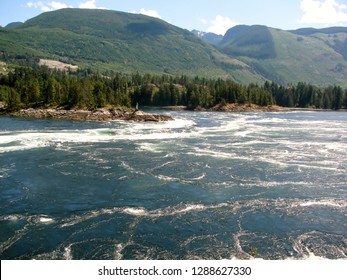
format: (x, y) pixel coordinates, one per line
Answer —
(104, 40)
(111, 41)
(316, 56)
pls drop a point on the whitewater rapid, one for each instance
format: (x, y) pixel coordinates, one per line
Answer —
(206, 185)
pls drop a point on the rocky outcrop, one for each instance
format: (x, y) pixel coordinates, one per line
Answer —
(233, 107)
(96, 115)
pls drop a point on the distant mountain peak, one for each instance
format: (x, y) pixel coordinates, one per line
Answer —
(13, 24)
(208, 37)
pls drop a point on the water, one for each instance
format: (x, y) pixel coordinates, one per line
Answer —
(205, 186)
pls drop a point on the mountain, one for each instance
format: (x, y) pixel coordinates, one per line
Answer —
(316, 56)
(106, 40)
(336, 37)
(208, 37)
(122, 42)
(251, 41)
(13, 24)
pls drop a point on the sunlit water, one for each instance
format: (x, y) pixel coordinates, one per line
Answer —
(205, 186)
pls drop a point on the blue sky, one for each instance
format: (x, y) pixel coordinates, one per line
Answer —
(215, 16)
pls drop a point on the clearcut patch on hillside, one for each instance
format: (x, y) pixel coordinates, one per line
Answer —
(58, 65)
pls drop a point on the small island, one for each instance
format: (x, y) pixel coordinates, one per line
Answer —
(92, 116)
(247, 108)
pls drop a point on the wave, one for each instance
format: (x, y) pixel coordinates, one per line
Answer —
(314, 245)
(325, 203)
(33, 139)
(184, 208)
(184, 180)
(311, 245)
(133, 211)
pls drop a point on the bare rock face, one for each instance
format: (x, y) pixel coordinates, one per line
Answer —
(84, 115)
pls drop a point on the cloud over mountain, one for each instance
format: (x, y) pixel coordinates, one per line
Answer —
(48, 6)
(221, 24)
(327, 12)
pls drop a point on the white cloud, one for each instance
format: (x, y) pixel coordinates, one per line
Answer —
(326, 12)
(151, 13)
(90, 4)
(39, 5)
(220, 25)
(47, 6)
(58, 5)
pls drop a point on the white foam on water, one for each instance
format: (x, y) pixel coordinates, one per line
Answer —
(149, 147)
(243, 133)
(118, 251)
(13, 217)
(131, 169)
(167, 178)
(304, 253)
(270, 120)
(175, 179)
(214, 154)
(135, 211)
(325, 203)
(67, 255)
(77, 219)
(240, 253)
(21, 141)
(178, 123)
(311, 256)
(13, 239)
(190, 208)
(26, 140)
(142, 212)
(46, 220)
(163, 165)
(40, 219)
(254, 142)
(184, 209)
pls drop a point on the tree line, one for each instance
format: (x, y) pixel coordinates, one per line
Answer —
(43, 87)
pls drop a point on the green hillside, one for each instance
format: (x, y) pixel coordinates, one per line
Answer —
(251, 41)
(109, 40)
(335, 37)
(310, 55)
(105, 40)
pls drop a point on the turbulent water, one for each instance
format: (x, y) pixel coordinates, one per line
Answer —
(205, 186)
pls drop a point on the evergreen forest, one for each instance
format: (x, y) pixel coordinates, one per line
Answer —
(47, 88)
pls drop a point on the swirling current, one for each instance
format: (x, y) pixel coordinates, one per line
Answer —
(205, 186)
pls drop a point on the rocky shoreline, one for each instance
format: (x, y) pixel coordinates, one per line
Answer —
(238, 108)
(92, 116)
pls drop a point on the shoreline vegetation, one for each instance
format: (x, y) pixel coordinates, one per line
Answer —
(82, 95)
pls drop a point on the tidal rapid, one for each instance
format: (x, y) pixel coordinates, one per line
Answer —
(204, 186)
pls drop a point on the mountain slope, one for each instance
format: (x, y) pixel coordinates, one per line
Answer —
(310, 55)
(110, 40)
(252, 41)
(336, 37)
(13, 24)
